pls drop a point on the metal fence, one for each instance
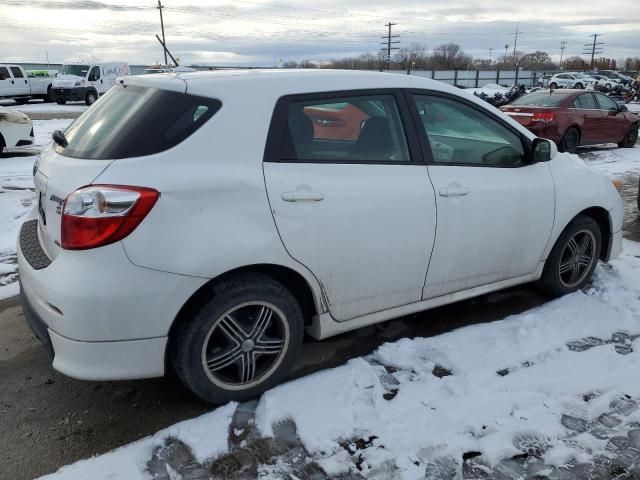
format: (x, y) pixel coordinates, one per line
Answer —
(478, 78)
(461, 78)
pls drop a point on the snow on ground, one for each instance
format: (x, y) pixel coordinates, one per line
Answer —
(16, 200)
(612, 160)
(634, 107)
(553, 389)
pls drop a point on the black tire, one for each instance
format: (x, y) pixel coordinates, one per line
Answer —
(21, 101)
(579, 86)
(195, 344)
(48, 98)
(570, 140)
(638, 196)
(553, 85)
(2, 144)
(608, 85)
(557, 282)
(61, 102)
(630, 138)
(91, 98)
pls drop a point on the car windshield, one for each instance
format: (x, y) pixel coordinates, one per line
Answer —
(133, 121)
(542, 99)
(77, 70)
(580, 75)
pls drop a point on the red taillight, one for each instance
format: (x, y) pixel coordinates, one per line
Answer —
(102, 214)
(544, 117)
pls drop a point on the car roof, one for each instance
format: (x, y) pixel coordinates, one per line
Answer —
(280, 82)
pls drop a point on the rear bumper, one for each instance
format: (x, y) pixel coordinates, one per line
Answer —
(100, 316)
(546, 130)
(75, 94)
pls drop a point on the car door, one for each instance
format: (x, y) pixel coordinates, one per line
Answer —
(591, 117)
(21, 83)
(613, 125)
(495, 208)
(6, 82)
(94, 79)
(351, 197)
(562, 80)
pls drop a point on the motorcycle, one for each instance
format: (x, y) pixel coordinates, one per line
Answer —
(500, 99)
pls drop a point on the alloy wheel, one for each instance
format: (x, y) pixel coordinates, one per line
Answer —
(577, 258)
(245, 345)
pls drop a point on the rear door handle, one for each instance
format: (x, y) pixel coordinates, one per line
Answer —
(301, 196)
(453, 192)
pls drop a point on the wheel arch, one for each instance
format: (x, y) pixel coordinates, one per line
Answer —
(603, 219)
(294, 281)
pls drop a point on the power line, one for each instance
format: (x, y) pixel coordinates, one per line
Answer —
(390, 42)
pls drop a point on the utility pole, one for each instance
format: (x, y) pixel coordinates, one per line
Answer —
(506, 51)
(594, 48)
(563, 45)
(490, 50)
(389, 43)
(515, 44)
(160, 7)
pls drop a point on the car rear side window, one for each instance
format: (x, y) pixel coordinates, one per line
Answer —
(4, 73)
(587, 101)
(16, 72)
(345, 129)
(133, 121)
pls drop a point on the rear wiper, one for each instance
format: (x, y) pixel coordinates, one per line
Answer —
(59, 138)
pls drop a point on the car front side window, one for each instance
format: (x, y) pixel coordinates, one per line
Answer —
(607, 104)
(460, 134)
(344, 129)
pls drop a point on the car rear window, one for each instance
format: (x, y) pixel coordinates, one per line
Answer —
(542, 99)
(133, 121)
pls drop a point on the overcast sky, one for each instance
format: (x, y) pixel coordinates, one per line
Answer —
(264, 32)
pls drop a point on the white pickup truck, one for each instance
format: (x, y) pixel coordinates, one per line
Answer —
(17, 84)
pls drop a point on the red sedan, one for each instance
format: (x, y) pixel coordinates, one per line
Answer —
(573, 118)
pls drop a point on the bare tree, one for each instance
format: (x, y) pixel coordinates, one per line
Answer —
(449, 56)
(413, 56)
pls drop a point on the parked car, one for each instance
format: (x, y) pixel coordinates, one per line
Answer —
(206, 231)
(543, 81)
(16, 129)
(573, 118)
(612, 74)
(570, 80)
(606, 81)
(15, 83)
(86, 82)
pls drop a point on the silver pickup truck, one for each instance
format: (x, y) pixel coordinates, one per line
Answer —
(22, 86)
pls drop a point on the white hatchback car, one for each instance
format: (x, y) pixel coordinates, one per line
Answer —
(16, 129)
(204, 220)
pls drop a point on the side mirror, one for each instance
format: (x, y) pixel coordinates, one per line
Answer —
(622, 107)
(543, 150)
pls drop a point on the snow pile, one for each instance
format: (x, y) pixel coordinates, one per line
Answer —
(207, 434)
(512, 378)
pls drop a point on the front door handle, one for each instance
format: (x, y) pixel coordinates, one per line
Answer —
(453, 192)
(301, 196)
